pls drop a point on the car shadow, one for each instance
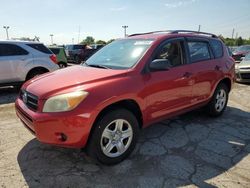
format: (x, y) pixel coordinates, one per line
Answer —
(185, 150)
(8, 95)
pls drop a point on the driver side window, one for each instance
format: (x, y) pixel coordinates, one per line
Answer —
(173, 52)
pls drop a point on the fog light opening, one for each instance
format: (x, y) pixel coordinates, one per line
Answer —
(62, 137)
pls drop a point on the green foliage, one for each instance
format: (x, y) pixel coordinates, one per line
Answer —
(111, 40)
(236, 42)
(88, 40)
(239, 41)
(100, 42)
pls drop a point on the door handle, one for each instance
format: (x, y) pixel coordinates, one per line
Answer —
(217, 67)
(187, 74)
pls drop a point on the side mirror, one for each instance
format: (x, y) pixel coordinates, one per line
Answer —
(160, 65)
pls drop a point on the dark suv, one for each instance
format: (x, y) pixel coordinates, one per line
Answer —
(73, 51)
(125, 86)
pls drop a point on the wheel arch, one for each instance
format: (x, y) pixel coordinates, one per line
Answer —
(128, 104)
(227, 81)
(36, 69)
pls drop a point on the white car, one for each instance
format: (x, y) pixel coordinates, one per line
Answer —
(21, 61)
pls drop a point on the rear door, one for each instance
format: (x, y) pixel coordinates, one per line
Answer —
(170, 90)
(12, 61)
(205, 68)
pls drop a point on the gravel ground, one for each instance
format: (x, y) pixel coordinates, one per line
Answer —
(192, 150)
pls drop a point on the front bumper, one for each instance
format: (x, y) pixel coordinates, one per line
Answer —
(242, 75)
(49, 127)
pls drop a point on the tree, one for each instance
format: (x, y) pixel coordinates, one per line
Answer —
(100, 42)
(239, 41)
(111, 40)
(88, 40)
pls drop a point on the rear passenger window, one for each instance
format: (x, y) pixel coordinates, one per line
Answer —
(11, 50)
(55, 50)
(217, 48)
(199, 51)
(40, 48)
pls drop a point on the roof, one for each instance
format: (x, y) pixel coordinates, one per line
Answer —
(19, 41)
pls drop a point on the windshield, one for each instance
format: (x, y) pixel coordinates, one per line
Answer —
(247, 57)
(242, 48)
(120, 54)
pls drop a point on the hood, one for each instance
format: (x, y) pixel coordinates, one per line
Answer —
(244, 64)
(240, 52)
(68, 78)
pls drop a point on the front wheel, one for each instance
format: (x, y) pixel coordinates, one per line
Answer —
(218, 103)
(114, 137)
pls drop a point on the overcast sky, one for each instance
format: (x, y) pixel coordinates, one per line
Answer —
(103, 19)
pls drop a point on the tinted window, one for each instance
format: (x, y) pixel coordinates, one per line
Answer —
(78, 47)
(199, 51)
(217, 48)
(173, 52)
(55, 50)
(11, 49)
(40, 48)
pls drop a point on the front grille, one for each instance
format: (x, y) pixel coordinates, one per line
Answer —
(29, 99)
(245, 75)
(244, 68)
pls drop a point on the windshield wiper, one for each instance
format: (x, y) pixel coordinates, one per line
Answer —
(98, 66)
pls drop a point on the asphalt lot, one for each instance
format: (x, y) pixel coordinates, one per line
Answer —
(192, 150)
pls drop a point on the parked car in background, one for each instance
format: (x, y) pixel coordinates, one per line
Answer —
(240, 52)
(97, 46)
(21, 61)
(242, 70)
(73, 51)
(232, 48)
(87, 52)
(129, 84)
(60, 55)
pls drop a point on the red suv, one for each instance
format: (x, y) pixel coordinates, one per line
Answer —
(127, 85)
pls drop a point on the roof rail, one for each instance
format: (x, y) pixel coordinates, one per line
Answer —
(197, 32)
(175, 32)
(152, 32)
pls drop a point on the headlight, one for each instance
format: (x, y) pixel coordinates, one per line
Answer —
(64, 102)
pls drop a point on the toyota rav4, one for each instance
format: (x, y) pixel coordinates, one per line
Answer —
(127, 85)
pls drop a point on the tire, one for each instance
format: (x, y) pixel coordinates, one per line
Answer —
(114, 137)
(77, 59)
(62, 65)
(218, 103)
(34, 73)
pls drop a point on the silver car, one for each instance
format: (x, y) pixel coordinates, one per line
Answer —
(21, 61)
(242, 69)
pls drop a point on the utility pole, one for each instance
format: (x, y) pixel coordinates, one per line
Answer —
(199, 29)
(233, 34)
(51, 37)
(72, 40)
(6, 29)
(125, 30)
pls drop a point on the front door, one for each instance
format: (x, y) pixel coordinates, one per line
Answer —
(170, 90)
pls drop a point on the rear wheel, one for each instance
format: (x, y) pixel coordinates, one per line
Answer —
(114, 137)
(62, 65)
(218, 103)
(77, 59)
